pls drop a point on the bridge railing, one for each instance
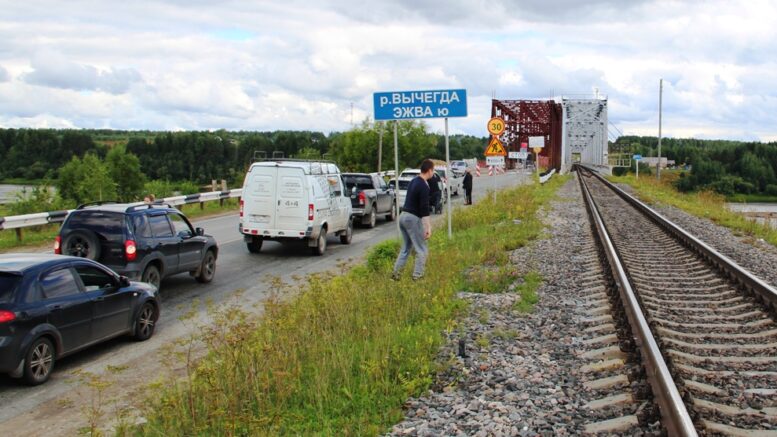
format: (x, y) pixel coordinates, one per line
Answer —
(43, 218)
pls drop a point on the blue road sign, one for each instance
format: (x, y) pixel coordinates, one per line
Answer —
(406, 105)
(637, 157)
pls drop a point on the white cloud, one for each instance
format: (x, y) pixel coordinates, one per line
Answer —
(300, 65)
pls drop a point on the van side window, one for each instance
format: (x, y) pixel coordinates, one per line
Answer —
(335, 186)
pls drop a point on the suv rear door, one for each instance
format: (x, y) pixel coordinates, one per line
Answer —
(108, 227)
(165, 241)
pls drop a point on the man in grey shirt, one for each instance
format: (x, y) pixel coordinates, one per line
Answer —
(414, 222)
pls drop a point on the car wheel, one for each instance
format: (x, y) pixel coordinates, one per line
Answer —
(82, 243)
(372, 219)
(347, 235)
(207, 268)
(321, 243)
(393, 214)
(39, 361)
(146, 322)
(151, 275)
(255, 245)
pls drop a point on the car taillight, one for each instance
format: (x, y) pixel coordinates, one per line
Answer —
(58, 245)
(241, 207)
(130, 250)
(310, 211)
(362, 198)
(7, 316)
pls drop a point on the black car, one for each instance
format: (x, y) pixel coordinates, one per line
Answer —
(52, 306)
(141, 241)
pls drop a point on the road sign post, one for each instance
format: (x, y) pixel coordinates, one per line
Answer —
(396, 175)
(495, 151)
(410, 105)
(637, 158)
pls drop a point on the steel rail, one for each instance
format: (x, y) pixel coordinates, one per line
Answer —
(675, 416)
(726, 265)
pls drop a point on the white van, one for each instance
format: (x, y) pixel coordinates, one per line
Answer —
(294, 200)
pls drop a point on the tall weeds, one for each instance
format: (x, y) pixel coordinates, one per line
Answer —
(343, 356)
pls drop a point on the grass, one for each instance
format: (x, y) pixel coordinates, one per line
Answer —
(704, 204)
(528, 292)
(342, 357)
(39, 235)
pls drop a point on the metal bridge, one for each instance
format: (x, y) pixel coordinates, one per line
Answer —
(575, 130)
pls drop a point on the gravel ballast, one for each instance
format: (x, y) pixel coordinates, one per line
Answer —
(525, 374)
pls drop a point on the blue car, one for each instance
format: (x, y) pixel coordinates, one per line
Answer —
(53, 305)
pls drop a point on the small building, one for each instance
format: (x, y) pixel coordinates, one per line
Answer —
(652, 161)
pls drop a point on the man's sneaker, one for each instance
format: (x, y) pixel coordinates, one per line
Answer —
(395, 277)
(418, 278)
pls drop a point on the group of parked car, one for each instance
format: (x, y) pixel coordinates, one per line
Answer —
(101, 282)
(110, 258)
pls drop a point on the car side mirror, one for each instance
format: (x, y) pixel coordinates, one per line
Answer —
(199, 231)
(124, 281)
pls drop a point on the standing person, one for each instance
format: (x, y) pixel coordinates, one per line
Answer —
(414, 222)
(435, 192)
(467, 183)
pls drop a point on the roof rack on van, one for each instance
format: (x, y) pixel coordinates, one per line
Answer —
(315, 167)
(326, 161)
(97, 203)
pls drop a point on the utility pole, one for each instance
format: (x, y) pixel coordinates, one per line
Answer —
(660, 98)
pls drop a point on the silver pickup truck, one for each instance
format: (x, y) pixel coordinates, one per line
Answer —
(370, 197)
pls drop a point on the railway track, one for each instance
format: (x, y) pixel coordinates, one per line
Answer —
(705, 327)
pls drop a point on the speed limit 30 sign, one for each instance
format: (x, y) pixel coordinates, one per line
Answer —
(496, 126)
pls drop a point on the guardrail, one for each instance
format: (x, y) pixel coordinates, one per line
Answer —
(546, 177)
(43, 218)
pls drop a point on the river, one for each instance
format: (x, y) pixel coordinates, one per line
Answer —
(755, 207)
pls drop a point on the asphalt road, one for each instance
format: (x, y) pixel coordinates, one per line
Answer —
(63, 404)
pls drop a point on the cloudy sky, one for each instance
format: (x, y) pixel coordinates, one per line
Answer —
(266, 65)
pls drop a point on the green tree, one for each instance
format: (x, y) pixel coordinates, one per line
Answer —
(124, 170)
(85, 180)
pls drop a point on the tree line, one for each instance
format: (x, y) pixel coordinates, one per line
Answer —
(200, 156)
(727, 167)
(99, 164)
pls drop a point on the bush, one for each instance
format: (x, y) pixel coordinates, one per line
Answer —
(40, 199)
(728, 185)
(771, 190)
(383, 255)
(161, 189)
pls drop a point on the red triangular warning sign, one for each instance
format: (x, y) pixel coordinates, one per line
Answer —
(495, 148)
